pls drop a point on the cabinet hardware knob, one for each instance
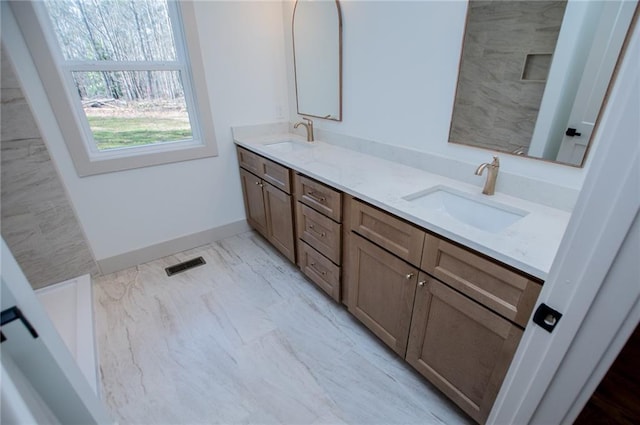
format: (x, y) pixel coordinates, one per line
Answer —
(323, 234)
(311, 226)
(422, 282)
(323, 273)
(312, 264)
(410, 275)
(261, 185)
(257, 183)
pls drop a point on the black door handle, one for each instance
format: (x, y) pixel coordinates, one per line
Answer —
(572, 132)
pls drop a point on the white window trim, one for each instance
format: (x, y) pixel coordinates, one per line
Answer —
(71, 119)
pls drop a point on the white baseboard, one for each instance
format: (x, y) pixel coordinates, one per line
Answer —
(162, 249)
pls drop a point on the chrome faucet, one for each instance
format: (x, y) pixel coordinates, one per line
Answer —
(492, 175)
(308, 125)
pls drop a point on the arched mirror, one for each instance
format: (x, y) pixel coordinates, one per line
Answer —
(317, 51)
(534, 75)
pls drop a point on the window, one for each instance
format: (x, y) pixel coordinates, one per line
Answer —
(123, 76)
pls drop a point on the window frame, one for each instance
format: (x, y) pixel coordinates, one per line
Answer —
(35, 24)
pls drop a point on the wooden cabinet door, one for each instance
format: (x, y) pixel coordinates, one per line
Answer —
(279, 220)
(463, 348)
(381, 292)
(254, 201)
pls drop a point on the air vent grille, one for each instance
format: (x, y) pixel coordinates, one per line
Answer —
(185, 265)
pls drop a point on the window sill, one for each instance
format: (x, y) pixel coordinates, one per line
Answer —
(146, 157)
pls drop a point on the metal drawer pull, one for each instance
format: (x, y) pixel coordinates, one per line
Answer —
(314, 266)
(410, 275)
(312, 227)
(316, 197)
(422, 282)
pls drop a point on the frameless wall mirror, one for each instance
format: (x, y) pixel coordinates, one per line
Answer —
(317, 50)
(534, 75)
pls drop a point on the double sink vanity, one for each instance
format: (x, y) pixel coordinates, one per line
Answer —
(443, 275)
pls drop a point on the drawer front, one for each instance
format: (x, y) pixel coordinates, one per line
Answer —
(319, 231)
(276, 174)
(249, 161)
(319, 197)
(320, 270)
(506, 292)
(391, 233)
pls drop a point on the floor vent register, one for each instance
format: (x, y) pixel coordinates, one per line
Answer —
(184, 266)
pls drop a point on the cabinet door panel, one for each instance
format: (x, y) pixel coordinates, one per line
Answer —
(381, 292)
(254, 201)
(463, 348)
(280, 220)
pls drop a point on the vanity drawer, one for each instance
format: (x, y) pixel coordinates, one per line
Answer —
(506, 292)
(320, 270)
(391, 233)
(249, 161)
(320, 232)
(276, 174)
(319, 197)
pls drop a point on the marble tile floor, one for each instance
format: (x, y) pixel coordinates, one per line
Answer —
(247, 339)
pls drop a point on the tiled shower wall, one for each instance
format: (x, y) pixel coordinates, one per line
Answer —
(507, 51)
(38, 223)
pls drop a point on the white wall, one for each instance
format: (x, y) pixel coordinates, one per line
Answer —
(400, 68)
(243, 55)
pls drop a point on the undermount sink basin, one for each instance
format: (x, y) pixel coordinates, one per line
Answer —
(289, 146)
(483, 214)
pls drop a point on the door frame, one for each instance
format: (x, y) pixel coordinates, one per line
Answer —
(602, 219)
(80, 402)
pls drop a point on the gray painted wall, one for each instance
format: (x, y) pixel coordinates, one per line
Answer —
(38, 222)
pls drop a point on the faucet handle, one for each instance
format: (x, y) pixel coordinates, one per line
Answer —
(496, 161)
(308, 120)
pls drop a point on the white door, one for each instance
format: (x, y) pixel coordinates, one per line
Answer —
(41, 382)
(593, 280)
(595, 80)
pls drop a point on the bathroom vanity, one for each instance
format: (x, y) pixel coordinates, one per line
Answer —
(448, 292)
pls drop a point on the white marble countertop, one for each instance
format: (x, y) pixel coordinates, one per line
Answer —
(529, 245)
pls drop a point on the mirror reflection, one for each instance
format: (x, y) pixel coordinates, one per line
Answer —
(317, 36)
(534, 75)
